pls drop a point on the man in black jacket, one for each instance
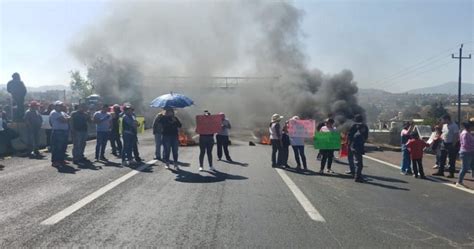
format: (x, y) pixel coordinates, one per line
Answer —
(360, 132)
(18, 91)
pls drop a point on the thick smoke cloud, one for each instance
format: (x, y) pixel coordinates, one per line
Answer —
(134, 51)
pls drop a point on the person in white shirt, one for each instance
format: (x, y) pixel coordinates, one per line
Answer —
(449, 148)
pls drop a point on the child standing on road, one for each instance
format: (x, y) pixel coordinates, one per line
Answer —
(416, 146)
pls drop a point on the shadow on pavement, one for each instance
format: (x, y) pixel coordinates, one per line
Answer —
(385, 179)
(368, 182)
(111, 164)
(301, 172)
(184, 164)
(340, 162)
(236, 163)
(66, 169)
(88, 165)
(216, 176)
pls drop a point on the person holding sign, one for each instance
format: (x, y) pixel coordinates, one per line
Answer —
(170, 125)
(223, 139)
(275, 138)
(206, 126)
(297, 143)
(327, 154)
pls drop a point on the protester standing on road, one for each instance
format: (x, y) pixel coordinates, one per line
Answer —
(135, 152)
(358, 122)
(416, 146)
(170, 124)
(327, 155)
(157, 132)
(223, 139)
(5, 138)
(59, 134)
(285, 144)
(436, 145)
(115, 141)
(47, 130)
(318, 129)
(103, 121)
(405, 167)
(129, 134)
(79, 121)
(466, 153)
(33, 121)
(448, 148)
(275, 138)
(297, 143)
(206, 143)
(360, 133)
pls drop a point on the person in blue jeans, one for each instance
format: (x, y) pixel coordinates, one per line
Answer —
(355, 127)
(59, 121)
(129, 135)
(405, 167)
(170, 126)
(103, 121)
(466, 152)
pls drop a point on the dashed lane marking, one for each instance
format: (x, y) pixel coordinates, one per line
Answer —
(88, 199)
(449, 184)
(302, 199)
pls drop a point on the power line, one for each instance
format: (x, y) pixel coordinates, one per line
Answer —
(418, 74)
(413, 67)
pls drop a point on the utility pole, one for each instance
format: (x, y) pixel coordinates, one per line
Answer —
(459, 81)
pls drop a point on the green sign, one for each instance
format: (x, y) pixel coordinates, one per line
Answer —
(327, 140)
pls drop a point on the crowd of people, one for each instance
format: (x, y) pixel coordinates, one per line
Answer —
(165, 129)
(447, 143)
(281, 140)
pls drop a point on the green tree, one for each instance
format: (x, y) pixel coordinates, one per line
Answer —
(80, 86)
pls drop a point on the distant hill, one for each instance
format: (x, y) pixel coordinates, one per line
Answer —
(446, 88)
(41, 88)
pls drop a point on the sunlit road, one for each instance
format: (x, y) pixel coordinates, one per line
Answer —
(245, 205)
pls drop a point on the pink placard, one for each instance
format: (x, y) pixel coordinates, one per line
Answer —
(301, 128)
(208, 124)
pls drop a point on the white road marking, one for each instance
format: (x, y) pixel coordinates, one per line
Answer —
(307, 206)
(449, 184)
(86, 200)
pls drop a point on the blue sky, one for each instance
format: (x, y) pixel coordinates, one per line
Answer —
(388, 44)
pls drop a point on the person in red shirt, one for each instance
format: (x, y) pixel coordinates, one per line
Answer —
(416, 146)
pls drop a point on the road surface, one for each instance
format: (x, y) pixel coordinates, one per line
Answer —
(245, 205)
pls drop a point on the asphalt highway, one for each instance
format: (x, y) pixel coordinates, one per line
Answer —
(247, 204)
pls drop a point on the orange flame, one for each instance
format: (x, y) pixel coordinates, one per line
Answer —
(265, 140)
(183, 139)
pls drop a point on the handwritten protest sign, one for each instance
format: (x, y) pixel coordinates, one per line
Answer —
(45, 124)
(208, 124)
(327, 140)
(301, 128)
(141, 124)
(140, 127)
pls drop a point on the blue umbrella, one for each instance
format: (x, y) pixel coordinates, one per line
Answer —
(172, 100)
